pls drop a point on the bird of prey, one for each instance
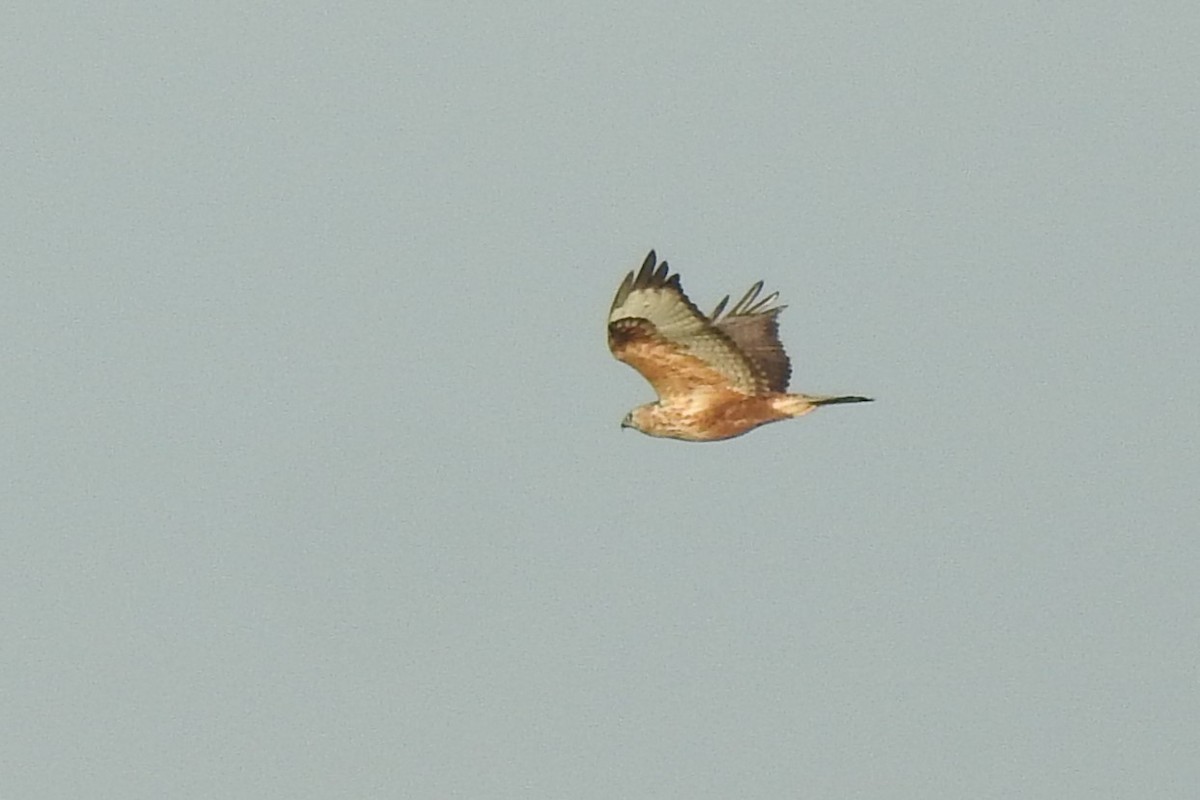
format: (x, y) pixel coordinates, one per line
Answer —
(716, 376)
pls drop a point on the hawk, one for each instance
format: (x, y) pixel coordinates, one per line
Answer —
(716, 376)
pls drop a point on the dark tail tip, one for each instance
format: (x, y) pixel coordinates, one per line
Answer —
(833, 401)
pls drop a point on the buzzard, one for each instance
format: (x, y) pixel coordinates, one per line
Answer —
(716, 376)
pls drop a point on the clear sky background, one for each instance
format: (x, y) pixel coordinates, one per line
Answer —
(313, 479)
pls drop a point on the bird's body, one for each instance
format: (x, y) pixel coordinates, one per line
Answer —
(716, 376)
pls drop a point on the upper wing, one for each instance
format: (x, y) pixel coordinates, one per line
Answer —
(753, 325)
(654, 328)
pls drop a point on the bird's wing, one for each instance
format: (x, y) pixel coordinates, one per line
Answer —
(654, 328)
(753, 325)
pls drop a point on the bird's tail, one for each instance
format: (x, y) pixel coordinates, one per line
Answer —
(833, 400)
(797, 405)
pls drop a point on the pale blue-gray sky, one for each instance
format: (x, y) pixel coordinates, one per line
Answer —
(314, 485)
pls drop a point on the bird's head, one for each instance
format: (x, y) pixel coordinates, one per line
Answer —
(638, 418)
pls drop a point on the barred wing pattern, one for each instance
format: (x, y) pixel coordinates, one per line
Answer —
(655, 328)
(753, 325)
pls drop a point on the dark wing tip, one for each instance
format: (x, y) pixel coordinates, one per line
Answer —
(646, 271)
(654, 274)
(720, 307)
(622, 292)
(751, 304)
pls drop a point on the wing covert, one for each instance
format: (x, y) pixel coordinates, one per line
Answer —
(655, 328)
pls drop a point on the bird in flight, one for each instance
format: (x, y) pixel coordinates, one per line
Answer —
(716, 376)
